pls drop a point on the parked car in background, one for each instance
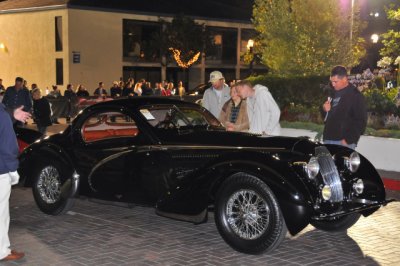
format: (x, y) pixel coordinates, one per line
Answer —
(26, 136)
(176, 157)
(199, 89)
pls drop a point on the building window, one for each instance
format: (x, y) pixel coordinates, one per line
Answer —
(59, 71)
(139, 41)
(224, 46)
(58, 33)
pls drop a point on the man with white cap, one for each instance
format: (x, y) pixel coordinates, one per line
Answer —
(217, 95)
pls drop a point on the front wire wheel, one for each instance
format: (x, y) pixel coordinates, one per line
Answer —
(247, 215)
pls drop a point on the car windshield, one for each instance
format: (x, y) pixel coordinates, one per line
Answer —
(174, 117)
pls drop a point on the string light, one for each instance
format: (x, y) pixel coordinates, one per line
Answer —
(177, 57)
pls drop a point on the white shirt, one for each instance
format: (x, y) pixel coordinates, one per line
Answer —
(263, 112)
(213, 99)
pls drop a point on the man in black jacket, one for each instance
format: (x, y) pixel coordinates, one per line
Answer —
(16, 96)
(345, 112)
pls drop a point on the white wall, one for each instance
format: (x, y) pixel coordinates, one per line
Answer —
(98, 37)
(29, 38)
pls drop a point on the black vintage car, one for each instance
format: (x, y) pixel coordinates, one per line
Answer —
(175, 156)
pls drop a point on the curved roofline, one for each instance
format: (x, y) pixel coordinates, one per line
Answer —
(145, 100)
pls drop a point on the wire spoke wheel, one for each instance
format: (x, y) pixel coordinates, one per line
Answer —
(247, 214)
(49, 184)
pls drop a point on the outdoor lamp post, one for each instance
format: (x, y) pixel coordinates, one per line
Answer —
(351, 22)
(250, 45)
(375, 38)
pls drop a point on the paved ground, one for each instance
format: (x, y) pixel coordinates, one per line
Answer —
(98, 234)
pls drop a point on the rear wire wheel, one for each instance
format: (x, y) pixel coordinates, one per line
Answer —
(48, 181)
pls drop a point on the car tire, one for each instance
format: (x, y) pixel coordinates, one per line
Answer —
(47, 185)
(245, 202)
(340, 224)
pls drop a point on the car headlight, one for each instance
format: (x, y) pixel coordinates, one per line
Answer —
(326, 192)
(312, 167)
(358, 186)
(353, 162)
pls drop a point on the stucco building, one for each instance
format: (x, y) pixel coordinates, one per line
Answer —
(85, 41)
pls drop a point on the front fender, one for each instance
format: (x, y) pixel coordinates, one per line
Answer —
(292, 195)
(197, 191)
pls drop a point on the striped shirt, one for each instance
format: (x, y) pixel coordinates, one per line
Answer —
(234, 112)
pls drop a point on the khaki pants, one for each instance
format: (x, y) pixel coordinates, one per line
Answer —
(6, 180)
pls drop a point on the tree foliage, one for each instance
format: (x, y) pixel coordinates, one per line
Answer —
(306, 37)
(391, 38)
(182, 34)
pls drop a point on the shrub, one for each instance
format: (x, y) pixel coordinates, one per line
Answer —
(303, 91)
(381, 102)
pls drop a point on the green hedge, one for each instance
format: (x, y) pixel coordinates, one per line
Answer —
(304, 91)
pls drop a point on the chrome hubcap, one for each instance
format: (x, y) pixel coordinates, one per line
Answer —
(247, 214)
(49, 184)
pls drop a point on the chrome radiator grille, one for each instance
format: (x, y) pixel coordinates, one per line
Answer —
(329, 172)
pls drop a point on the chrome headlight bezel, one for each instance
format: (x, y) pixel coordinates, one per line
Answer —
(353, 162)
(326, 193)
(358, 186)
(312, 167)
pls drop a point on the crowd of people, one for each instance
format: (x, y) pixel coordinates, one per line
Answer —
(140, 88)
(34, 101)
(117, 89)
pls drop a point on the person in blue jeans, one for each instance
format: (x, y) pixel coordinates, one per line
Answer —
(345, 112)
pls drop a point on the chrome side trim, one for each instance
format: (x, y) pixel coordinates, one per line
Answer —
(206, 147)
(104, 161)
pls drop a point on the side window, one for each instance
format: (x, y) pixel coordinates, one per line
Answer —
(107, 126)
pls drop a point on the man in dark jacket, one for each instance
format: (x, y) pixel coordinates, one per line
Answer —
(70, 96)
(100, 91)
(8, 176)
(41, 111)
(16, 96)
(345, 112)
(115, 90)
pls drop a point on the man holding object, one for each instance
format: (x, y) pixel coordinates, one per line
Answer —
(345, 113)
